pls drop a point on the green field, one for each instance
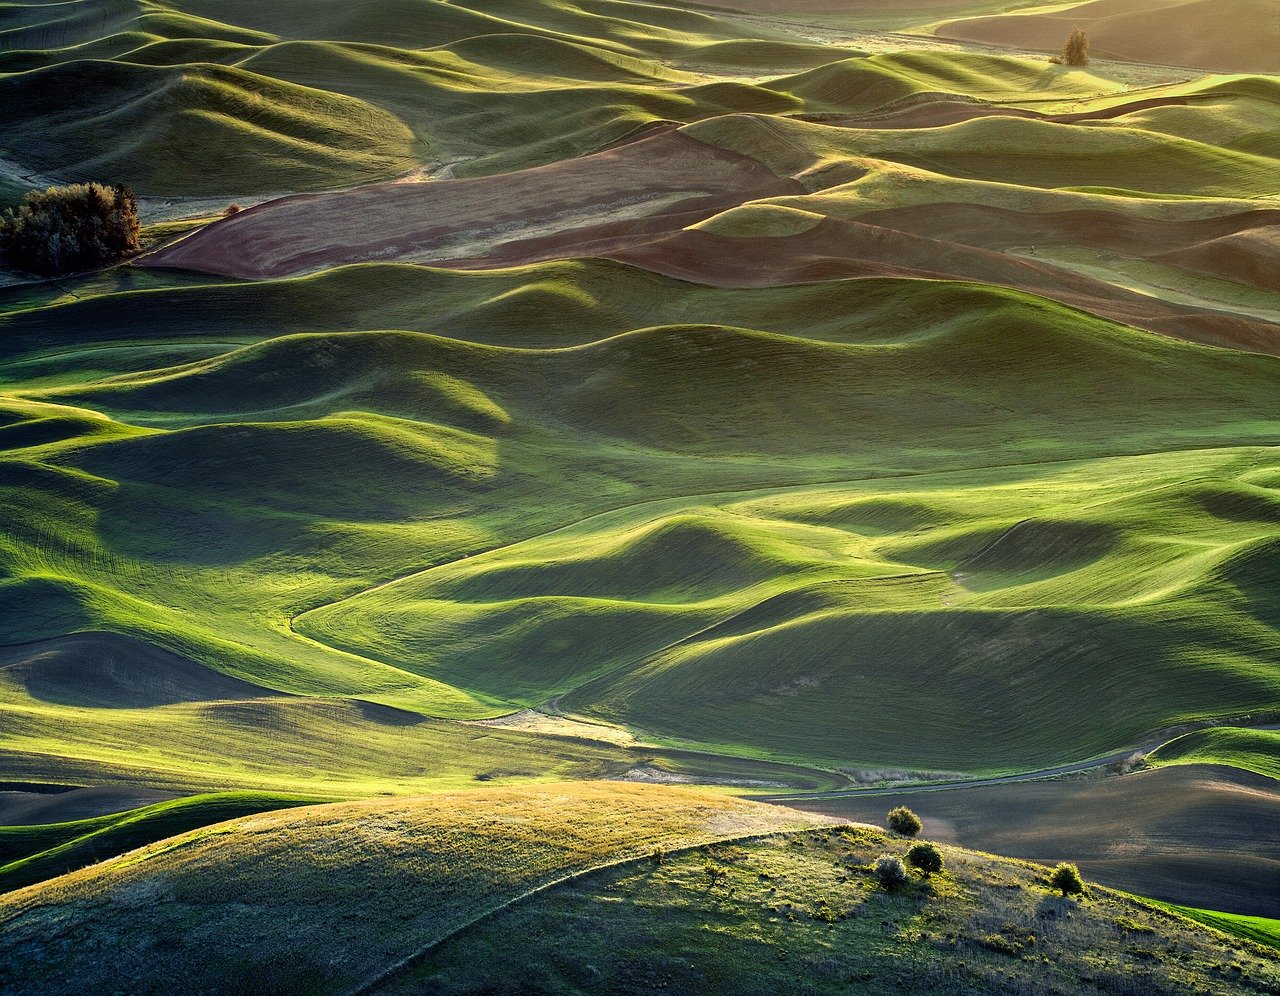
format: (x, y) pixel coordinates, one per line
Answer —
(1253, 750)
(691, 551)
(33, 854)
(1262, 930)
(765, 397)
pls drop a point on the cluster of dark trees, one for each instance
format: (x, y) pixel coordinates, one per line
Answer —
(65, 229)
(927, 859)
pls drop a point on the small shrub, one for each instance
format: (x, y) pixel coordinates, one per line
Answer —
(903, 821)
(714, 873)
(1076, 51)
(64, 229)
(1066, 877)
(827, 913)
(231, 209)
(659, 855)
(999, 944)
(925, 857)
(891, 873)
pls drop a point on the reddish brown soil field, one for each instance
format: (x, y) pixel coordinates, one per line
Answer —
(1251, 257)
(1200, 835)
(634, 202)
(659, 182)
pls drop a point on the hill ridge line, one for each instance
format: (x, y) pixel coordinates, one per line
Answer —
(676, 499)
(395, 969)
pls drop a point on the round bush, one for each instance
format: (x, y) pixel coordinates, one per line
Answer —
(891, 873)
(1066, 877)
(925, 857)
(903, 821)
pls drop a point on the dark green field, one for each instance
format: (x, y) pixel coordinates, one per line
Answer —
(797, 399)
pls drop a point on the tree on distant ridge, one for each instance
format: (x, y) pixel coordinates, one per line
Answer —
(1076, 51)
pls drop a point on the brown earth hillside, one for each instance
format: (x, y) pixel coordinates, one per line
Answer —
(1223, 35)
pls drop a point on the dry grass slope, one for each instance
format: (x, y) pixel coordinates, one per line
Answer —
(324, 898)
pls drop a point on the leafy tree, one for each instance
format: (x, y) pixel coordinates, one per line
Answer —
(903, 821)
(1067, 878)
(715, 874)
(1076, 51)
(64, 229)
(925, 857)
(891, 873)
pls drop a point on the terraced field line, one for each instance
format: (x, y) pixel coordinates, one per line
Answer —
(418, 954)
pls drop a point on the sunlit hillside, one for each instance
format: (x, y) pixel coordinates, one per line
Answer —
(488, 483)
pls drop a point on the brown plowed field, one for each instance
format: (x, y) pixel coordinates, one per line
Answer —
(1210, 34)
(1201, 835)
(634, 203)
(19, 808)
(1251, 257)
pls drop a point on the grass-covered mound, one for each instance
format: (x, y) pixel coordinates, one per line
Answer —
(1253, 750)
(1184, 833)
(30, 854)
(326, 898)
(1007, 150)
(226, 97)
(606, 887)
(804, 913)
(223, 97)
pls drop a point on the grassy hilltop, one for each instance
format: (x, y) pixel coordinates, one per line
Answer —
(430, 893)
(515, 402)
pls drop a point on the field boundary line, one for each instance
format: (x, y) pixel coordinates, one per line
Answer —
(421, 952)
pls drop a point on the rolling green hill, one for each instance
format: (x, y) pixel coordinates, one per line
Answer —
(34, 854)
(587, 400)
(445, 883)
(220, 98)
(408, 872)
(957, 536)
(1253, 750)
